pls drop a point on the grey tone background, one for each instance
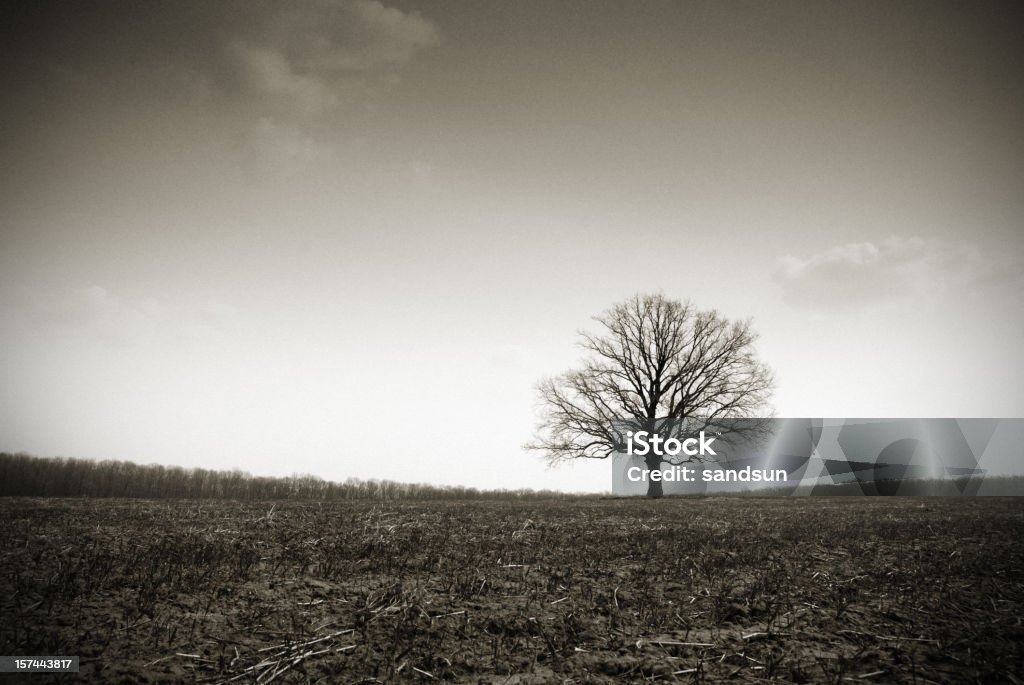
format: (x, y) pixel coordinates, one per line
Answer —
(251, 234)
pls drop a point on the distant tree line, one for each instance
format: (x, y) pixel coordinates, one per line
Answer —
(24, 475)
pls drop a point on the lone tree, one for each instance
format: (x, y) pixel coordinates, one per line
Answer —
(658, 365)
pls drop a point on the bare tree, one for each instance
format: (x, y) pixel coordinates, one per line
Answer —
(658, 365)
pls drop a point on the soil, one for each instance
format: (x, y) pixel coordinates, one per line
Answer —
(894, 590)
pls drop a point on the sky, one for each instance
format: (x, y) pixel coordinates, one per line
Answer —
(348, 238)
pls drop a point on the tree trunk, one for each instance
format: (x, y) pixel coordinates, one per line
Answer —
(654, 488)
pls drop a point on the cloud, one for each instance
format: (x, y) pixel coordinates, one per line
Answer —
(268, 73)
(96, 312)
(284, 149)
(295, 63)
(314, 69)
(892, 251)
(420, 173)
(897, 269)
(511, 356)
(308, 55)
(98, 315)
(302, 54)
(364, 34)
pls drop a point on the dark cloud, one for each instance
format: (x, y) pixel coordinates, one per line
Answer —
(278, 54)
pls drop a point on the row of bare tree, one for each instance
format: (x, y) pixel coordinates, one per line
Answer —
(29, 476)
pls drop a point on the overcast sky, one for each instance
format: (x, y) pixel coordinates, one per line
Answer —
(347, 238)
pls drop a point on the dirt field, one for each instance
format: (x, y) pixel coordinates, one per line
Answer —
(793, 590)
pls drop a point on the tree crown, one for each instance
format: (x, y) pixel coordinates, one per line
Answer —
(654, 363)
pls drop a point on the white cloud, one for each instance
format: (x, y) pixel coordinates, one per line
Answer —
(866, 274)
(512, 356)
(98, 315)
(855, 255)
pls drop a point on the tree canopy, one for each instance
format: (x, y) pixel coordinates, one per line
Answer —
(654, 364)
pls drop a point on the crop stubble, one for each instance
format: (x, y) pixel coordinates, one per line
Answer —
(579, 590)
